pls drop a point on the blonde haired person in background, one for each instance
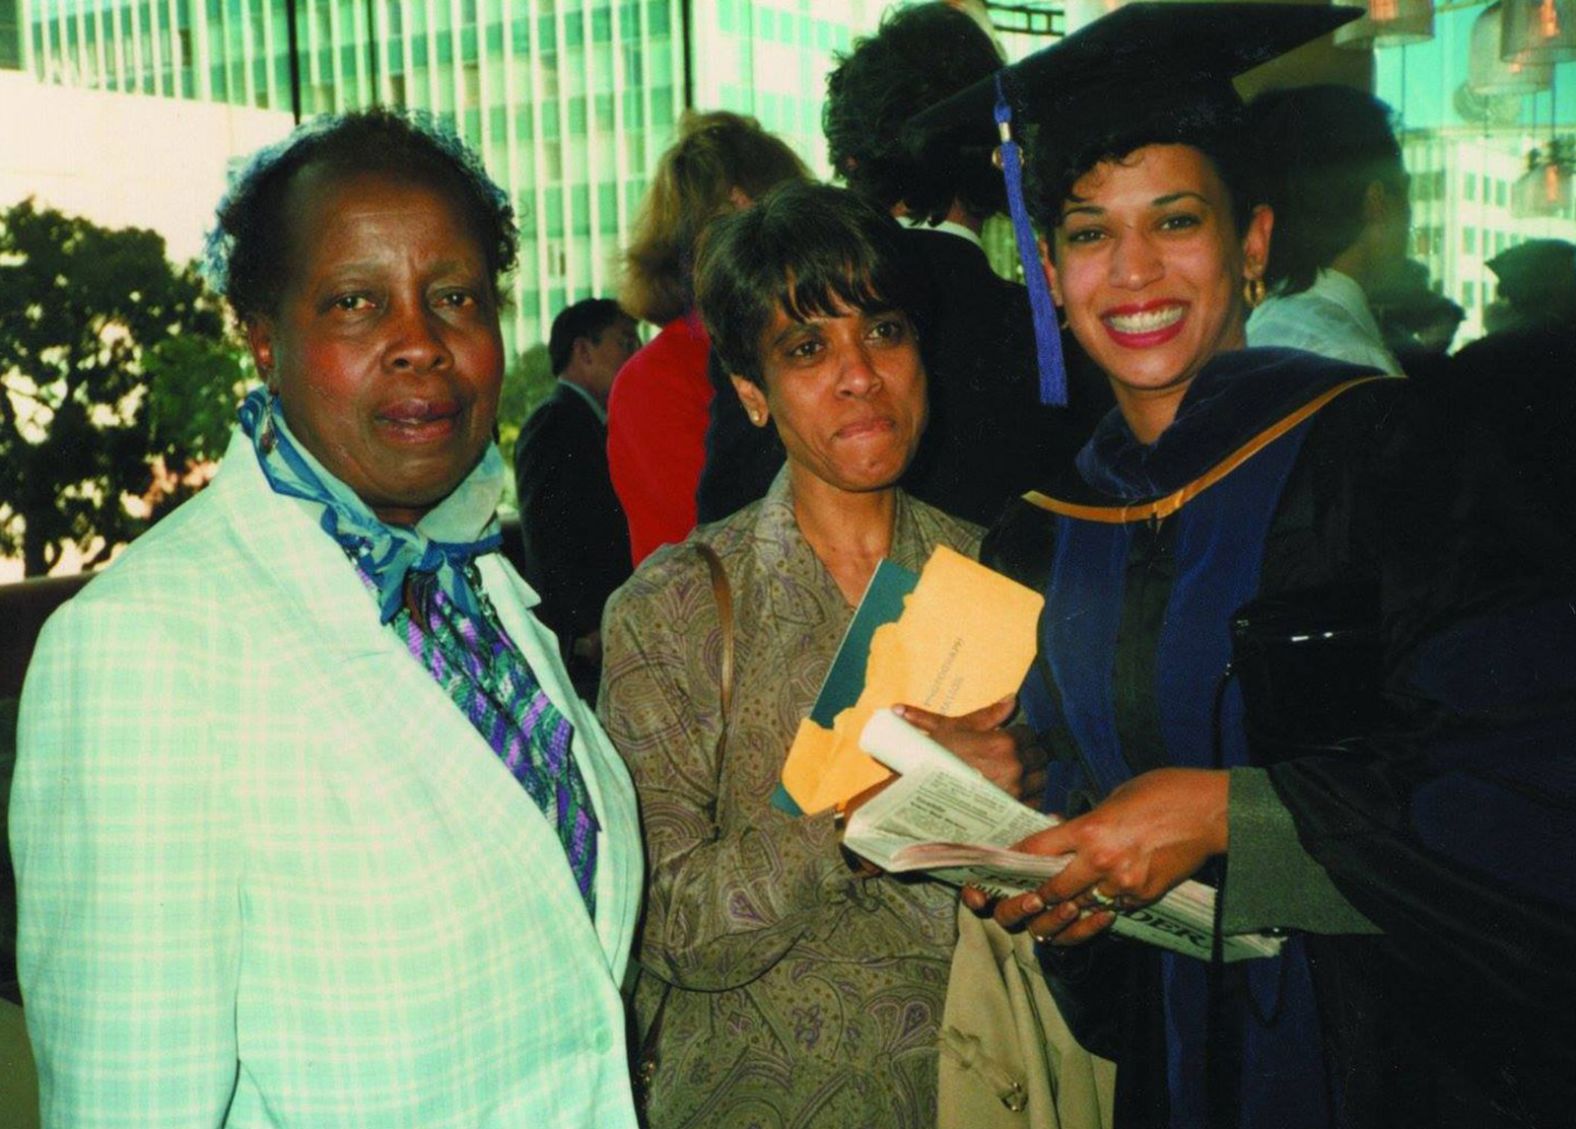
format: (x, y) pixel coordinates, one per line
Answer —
(656, 416)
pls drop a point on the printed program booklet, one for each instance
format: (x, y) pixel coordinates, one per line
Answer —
(943, 817)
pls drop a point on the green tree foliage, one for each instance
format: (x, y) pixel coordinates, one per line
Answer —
(116, 376)
(528, 382)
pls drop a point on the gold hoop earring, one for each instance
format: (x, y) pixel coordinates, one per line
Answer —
(1253, 292)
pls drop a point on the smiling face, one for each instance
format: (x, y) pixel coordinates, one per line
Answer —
(847, 394)
(1149, 265)
(385, 349)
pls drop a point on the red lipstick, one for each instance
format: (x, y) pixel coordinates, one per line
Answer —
(1143, 325)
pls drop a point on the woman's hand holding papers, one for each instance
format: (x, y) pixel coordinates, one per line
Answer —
(1007, 757)
(861, 866)
(1150, 834)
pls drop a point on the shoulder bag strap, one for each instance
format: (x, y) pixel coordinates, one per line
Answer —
(647, 1059)
(723, 594)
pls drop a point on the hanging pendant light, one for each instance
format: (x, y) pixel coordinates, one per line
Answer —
(1545, 189)
(1541, 30)
(1490, 72)
(1389, 23)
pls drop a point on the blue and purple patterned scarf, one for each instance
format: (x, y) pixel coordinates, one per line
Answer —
(428, 590)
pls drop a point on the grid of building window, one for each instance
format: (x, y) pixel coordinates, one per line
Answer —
(1464, 214)
(569, 101)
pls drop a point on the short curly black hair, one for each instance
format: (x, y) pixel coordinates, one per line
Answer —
(247, 249)
(1212, 126)
(920, 56)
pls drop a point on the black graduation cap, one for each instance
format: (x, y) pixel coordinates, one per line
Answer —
(1139, 61)
(1143, 60)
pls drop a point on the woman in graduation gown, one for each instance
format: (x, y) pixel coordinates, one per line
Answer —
(1226, 478)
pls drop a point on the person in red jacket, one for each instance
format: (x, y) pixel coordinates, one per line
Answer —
(656, 416)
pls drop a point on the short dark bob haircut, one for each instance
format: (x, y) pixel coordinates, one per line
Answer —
(1321, 146)
(247, 251)
(1209, 125)
(808, 250)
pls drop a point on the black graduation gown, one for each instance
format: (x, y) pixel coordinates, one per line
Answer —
(1457, 833)
(1132, 674)
(1135, 643)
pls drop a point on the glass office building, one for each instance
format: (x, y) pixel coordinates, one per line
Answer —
(10, 35)
(569, 101)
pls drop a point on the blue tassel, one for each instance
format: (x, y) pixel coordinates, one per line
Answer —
(1047, 338)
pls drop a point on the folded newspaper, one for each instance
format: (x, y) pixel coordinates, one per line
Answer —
(943, 817)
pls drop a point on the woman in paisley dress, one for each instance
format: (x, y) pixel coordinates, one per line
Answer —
(798, 987)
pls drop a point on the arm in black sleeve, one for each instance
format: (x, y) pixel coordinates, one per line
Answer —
(575, 537)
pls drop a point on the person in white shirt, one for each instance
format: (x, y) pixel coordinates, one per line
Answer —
(1342, 218)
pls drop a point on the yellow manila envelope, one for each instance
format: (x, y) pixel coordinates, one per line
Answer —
(965, 639)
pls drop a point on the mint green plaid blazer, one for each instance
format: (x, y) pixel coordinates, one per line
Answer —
(270, 876)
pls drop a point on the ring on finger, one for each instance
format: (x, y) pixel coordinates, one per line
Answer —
(1043, 938)
(1098, 900)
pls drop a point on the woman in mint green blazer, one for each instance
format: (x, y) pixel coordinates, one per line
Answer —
(310, 828)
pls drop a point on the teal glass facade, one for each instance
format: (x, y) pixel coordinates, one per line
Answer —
(569, 102)
(10, 35)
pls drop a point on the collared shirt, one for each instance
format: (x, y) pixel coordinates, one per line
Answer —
(596, 405)
(945, 225)
(1330, 318)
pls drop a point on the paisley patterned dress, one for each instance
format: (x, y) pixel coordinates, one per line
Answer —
(803, 995)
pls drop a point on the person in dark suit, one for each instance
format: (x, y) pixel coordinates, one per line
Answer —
(575, 534)
(989, 438)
